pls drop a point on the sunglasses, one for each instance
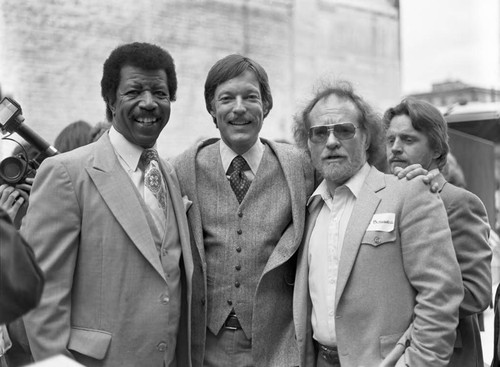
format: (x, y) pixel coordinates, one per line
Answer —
(343, 131)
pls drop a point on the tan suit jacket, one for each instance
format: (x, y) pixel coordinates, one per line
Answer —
(388, 279)
(103, 302)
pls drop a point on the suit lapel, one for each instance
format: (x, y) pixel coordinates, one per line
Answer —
(295, 181)
(194, 213)
(120, 196)
(180, 215)
(362, 213)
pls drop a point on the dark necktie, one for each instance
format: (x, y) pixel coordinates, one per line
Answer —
(239, 182)
(153, 179)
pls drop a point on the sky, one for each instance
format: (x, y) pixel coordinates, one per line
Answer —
(449, 40)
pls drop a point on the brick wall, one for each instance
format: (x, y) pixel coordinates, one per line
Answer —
(52, 51)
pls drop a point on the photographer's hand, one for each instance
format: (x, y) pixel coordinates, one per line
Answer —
(25, 187)
(11, 199)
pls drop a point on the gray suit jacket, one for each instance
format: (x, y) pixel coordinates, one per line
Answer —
(104, 280)
(388, 279)
(469, 231)
(273, 333)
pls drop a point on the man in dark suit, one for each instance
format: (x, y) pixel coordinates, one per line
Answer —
(108, 227)
(377, 254)
(247, 219)
(417, 134)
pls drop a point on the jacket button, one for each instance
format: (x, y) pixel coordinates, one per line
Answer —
(240, 214)
(238, 249)
(164, 299)
(161, 347)
(229, 302)
(237, 284)
(377, 240)
(239, 231)
(238, 267)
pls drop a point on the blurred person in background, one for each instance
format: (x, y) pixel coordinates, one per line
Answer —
(73, 136)
(21, 280)
(99, 129)
(416, 133)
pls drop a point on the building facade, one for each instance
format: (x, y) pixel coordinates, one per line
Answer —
(52, 52)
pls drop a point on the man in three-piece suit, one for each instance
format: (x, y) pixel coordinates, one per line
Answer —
(247, 218)
(417, 134)
(108, 228)
(377, 252)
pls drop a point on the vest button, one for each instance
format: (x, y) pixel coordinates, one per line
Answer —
(229, 302)
(161, 347)
(238, 267)
(237, 284)
(239, 231)
(203, 301)
(238, 249)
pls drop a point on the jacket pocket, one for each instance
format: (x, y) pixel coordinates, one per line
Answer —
(377, 238)
(90, 342)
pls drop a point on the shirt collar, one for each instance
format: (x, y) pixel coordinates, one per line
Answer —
(129, 152)
(354, 184)
(253, 156)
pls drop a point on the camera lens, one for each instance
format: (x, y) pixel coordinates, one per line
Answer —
(12, 169)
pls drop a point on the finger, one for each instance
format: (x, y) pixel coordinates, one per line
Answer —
(5, 193)
(24, 187)
(24, 195)
(11, 199)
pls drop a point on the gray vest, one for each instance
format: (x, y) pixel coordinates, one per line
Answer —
(239, 238)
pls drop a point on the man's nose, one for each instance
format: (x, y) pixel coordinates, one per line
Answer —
(396, 146)
(239, 105)
(332, 142)
(147, 101)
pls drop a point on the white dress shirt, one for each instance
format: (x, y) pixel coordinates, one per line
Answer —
(129, 156)
(253, 156)
(325, 249)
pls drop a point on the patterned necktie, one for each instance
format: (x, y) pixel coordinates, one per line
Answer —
(153, 179)
(239, 182)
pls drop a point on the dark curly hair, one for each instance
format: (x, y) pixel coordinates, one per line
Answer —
(142, 55)
(230, 67)
(369, 121)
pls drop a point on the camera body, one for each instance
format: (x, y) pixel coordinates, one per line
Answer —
(15, 169)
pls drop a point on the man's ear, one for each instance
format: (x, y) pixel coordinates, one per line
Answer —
(111, 107)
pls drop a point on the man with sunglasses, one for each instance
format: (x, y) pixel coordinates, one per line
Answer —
(376, 255)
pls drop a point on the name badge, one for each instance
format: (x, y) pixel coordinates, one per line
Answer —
(383, 222)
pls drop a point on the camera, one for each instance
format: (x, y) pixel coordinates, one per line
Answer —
(15, 169)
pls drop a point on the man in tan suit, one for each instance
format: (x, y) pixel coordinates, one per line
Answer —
(377, 252)
(108, 227)
(416, 133)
